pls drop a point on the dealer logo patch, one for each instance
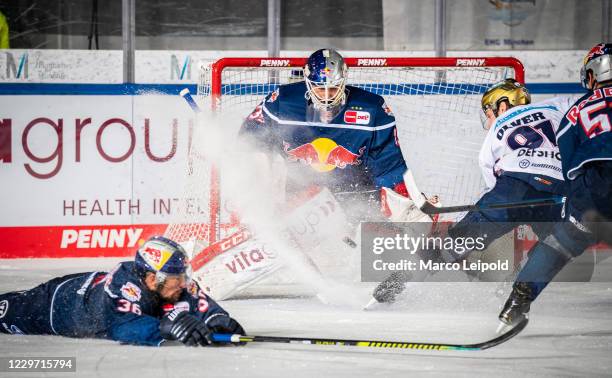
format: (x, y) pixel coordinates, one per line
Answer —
(4, 305)
(357, 117)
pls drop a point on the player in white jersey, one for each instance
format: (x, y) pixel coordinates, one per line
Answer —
(521, 142)
(520, 161)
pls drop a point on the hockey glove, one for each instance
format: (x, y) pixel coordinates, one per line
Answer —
(184, 327)
(224, 324)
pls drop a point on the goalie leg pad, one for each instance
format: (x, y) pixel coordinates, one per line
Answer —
(231, 265)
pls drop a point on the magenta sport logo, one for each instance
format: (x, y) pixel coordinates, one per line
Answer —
(180, 71)
(16, 65)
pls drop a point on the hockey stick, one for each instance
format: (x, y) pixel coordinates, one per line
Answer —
(229, 338)
(419, 200)
(190, 101)
(431, 209)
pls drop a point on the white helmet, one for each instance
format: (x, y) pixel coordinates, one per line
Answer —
(599, 62)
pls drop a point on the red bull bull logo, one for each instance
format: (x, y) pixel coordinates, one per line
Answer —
(130, 292)
(595, 51)
(323, 155)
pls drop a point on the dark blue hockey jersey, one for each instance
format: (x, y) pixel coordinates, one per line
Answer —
(584, 134)
(357, 150)
(118, 306)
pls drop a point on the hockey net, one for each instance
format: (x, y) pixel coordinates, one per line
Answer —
(436, 102)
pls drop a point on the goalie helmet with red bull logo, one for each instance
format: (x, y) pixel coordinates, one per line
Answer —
(325, 76)
(161, 256)
(598, 61)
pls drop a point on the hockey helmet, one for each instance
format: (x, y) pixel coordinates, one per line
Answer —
(599, 62)
(161, 256)
(510, 91)
(325, 76)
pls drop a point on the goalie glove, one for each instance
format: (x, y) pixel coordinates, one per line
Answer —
(187, 328)
(400, 208)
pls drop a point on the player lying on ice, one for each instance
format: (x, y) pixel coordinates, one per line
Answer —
(585, 142)
(146, 301)
(335, 143)
(520, 161)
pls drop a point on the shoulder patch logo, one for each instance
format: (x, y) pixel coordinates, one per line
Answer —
(273, 96)
(387, 109)
(130, 292)
(4, 306)
(193, 289)
(357, 117)
(257, 115)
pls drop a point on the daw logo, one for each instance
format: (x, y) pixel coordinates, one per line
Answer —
(180, 71)
(16, 66)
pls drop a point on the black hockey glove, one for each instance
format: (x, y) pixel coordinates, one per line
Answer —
(224, 324)
(184, 327)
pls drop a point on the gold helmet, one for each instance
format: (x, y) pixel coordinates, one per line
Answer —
(509, 91)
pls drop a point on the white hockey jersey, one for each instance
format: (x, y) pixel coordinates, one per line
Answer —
(522, 143)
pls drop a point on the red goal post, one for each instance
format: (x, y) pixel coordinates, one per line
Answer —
(216, 69)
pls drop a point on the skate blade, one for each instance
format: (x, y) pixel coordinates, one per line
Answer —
(503, 328)
(372, 304)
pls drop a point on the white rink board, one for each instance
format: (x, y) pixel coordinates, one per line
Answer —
(138, 178)
(30, 201)
(165, 67)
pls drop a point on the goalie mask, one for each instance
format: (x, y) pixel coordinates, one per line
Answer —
(501, 97)
(598, 61)
(163, 257)
(325, 76)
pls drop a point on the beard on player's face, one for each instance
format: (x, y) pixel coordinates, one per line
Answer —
(170, 287)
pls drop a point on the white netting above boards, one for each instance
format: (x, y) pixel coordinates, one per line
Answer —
(436, 102)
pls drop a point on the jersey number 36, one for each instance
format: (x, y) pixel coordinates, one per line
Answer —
(126, 306)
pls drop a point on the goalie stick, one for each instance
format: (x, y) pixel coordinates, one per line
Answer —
(429, 209)
(229, 338)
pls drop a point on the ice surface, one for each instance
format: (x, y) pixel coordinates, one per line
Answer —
(570, 334)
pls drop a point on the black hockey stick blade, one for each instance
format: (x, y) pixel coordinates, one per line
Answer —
(228, 338)
(430, 209)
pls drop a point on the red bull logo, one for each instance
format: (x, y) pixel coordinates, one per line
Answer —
(595, 51)
(130, 292)
(154, 255)
(323, 155)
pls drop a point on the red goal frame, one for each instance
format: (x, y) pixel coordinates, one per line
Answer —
(216, 86)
